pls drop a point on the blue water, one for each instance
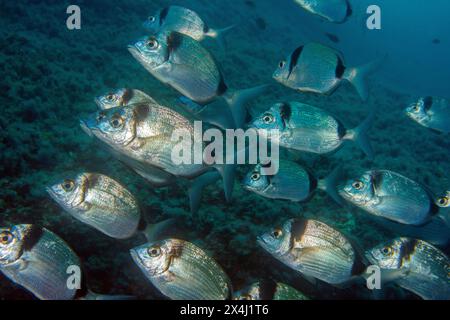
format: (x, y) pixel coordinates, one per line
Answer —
(50, 75)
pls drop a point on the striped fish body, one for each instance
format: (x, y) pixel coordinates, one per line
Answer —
(41, 262)
(390, 195)
(179, 19)
(100, 202)
(292, 182)
(312, 248)
(427, 268)
(182, 63)
(336, 11)
(182, 271)
(312, 68)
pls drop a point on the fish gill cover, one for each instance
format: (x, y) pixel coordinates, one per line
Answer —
(50, 76)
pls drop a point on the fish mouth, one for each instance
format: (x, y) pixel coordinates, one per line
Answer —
(84, 125)
(260, 241)
(134, 51)
(98, 102)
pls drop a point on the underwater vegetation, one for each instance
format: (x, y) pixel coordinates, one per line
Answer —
(50, 76)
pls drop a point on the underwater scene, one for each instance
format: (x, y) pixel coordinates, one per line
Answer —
(225, 149)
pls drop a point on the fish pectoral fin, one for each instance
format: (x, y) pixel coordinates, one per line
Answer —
(388, 275)
(85, 206)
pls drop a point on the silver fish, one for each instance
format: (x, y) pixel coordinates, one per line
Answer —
(426, 269)
(430, 112)
(390, 195)
(336, 11)
(269, 290)
(185, 21)
(141, 136)
(37, 259)
(181, 62)
(100, 202)
(306, 128)
(182, 271)
(320, 69)
(292, 182)
(312, 248)
(121, 97)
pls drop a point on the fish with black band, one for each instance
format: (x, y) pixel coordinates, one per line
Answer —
(314, 249)
(317, 68)
(44, 264)
(182, 63)
(291, 182)
(392, 196)
(185, 21)
(307, 128)
(432, 113)
(182, 270)
(425, 270)
(141, 135)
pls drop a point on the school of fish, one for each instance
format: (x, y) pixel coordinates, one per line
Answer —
(137, 130)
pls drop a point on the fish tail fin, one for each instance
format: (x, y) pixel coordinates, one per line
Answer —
(329, 184)
(219, 35)
(360, 137)
(197, 186)
(436, 231)
(237, 100)
(227, 171)
(358, 77)
(96, 296)
(155, 232)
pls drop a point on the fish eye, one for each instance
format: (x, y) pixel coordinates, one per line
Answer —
(68, 185)
(154, 251)
(268, 118)
(416, 108)
(111, 97)
(255, 176)
(116, 121)
(282, 64)
(6, 237)
(386, 251)
(358, 185)
(152, 43)
(277, 233)
(151, 19)
(442, 201)
(100, 116)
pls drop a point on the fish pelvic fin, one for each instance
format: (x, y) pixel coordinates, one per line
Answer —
(219, 35)
(360, 137)
(236, 100)
(358, 77)
(329, 184)
(196, 188)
